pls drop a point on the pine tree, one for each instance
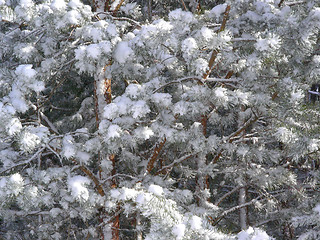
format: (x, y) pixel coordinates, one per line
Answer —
(174, 124)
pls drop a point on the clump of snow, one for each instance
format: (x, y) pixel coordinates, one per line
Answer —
(29, 141)
(218, 10)
(74, 4)
(317, 209)
(253, 234)
(16, 183)
(200, 66)
(284, 135)
(17, 99)
(26, 3)
(68, 149)
(77, 187)
(73, 17)
(179, 231)
(114, 131)
(180, 108)
(180, 15)
(93, 51)
(188, 46)
(14, 126)
(163, 99)
(122, 52)
(133, 90)
(195, 223)
(84, 157)
(25, 71)
(220, 93)
(140, 198)
(115, 193)
(144, 132)
(155, 189)
(58, 5)
(140, 109)
(267, 44)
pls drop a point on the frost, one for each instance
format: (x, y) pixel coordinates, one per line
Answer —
(122, 52)
(78, 188)
(284, 135)
(179, 231)
(180, 108)
(220, 93)
(26, 3)
(115, 193)
(155, 189)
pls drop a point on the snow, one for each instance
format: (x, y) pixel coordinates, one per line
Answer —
(201, 65)
(163, 99)
(83, 156)
(113, 131)
(133, 90)
(144, 132)
(180, 108)
(114, 4)
(29, 141)
(179, 231)
(26, 3)
(115, 193)
(2, 2)
(17, 100)
(317, 209)
(25, 71)
(188, 46)
(77, 187)
(73, 16)
(110, 111)
(220, 92)
(140, 109)
(218, 10)
(105, 46)
(253, 234)
(155, 189)
(58, 5)
(14, 126)
(93, 51)
(179, 15)
(140, 198)
(74, 4)
(122, 52)
(195, 223)
(68, 149)
(16, 179)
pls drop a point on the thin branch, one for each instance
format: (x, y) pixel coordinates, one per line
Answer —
(198, 79)
(184, 5)
(174, 163)
(225, 213)
(219, 201)
(34, 156)
(156, 153)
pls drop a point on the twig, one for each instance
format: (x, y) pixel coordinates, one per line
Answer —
(219, 201)
(184, 5)
(24, 162)
(215, 220)
(174, 163)
(155, 155)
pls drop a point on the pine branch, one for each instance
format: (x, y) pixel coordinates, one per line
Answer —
(219, 201)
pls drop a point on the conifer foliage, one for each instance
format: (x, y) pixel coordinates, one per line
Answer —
(159, 119)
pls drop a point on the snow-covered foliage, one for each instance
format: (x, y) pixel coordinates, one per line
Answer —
(188, 125)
